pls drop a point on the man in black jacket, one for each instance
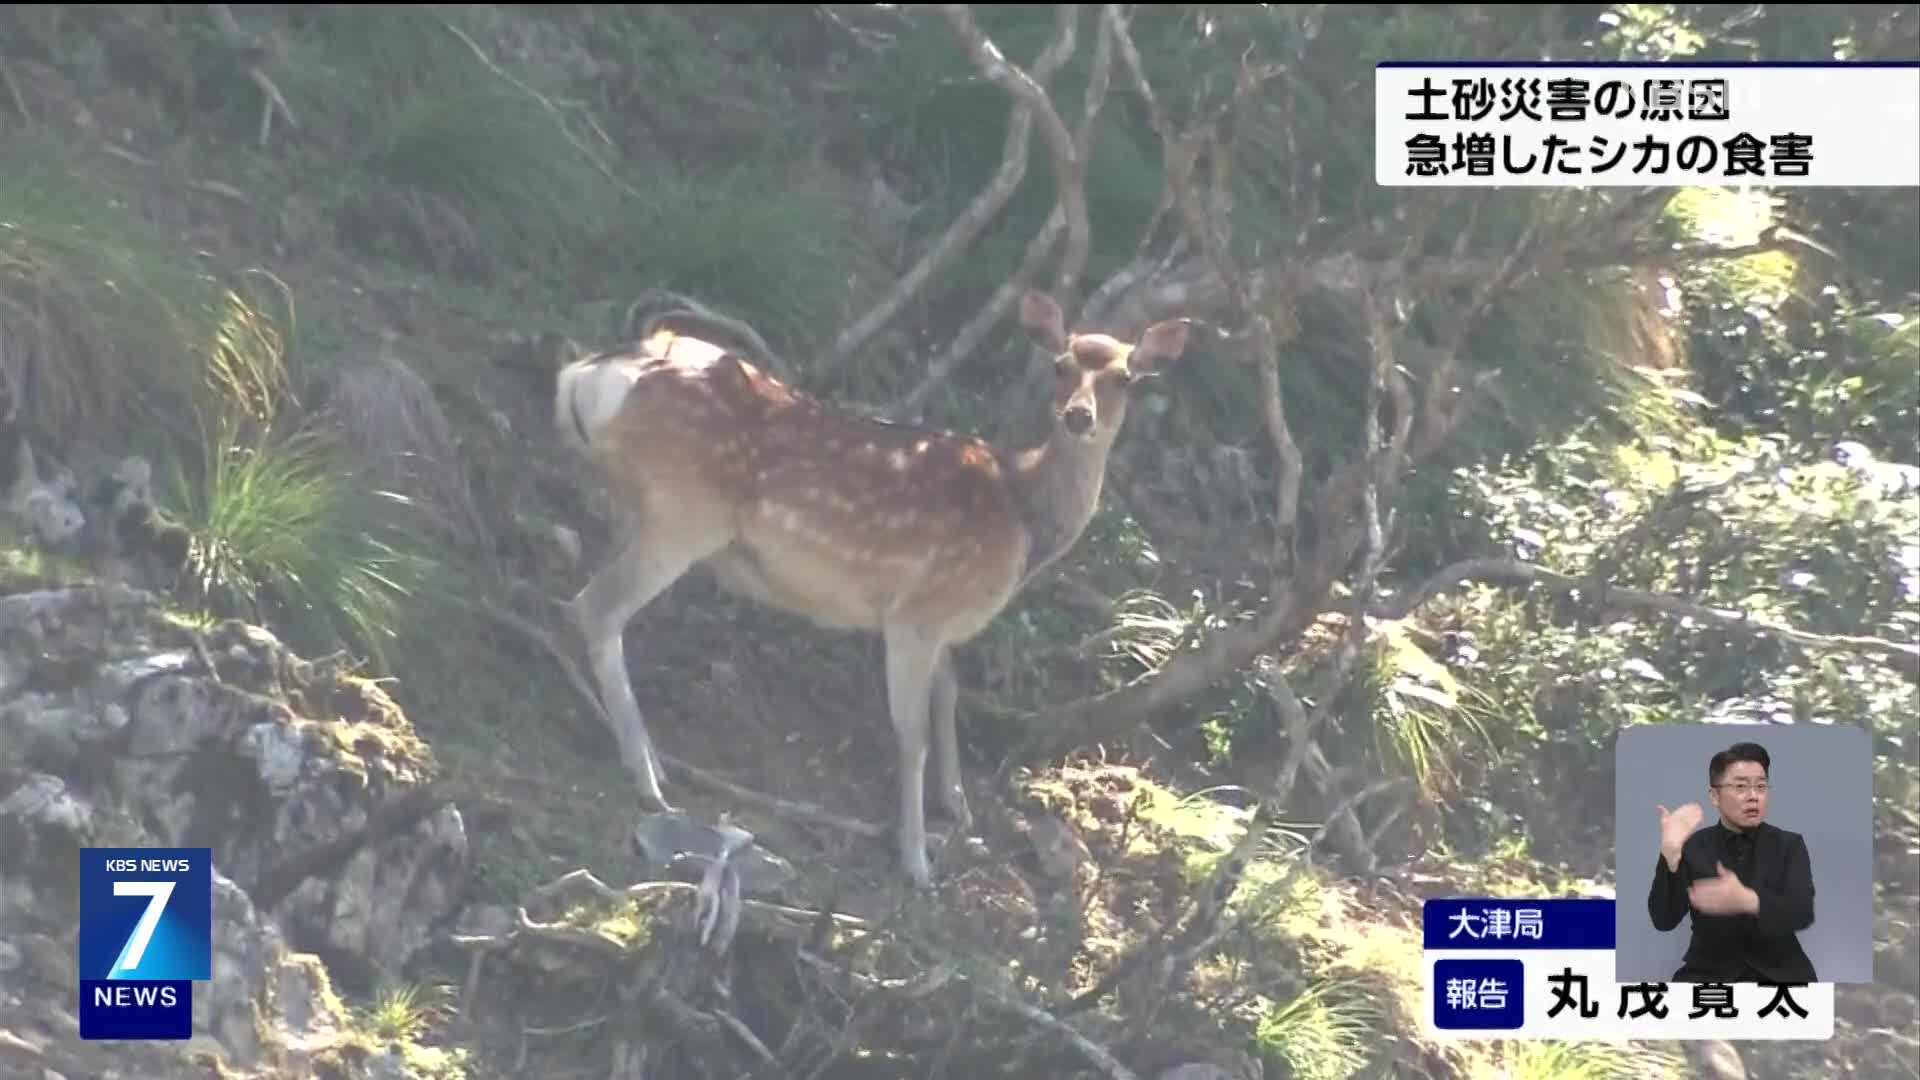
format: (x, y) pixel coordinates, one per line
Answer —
(1747, 883)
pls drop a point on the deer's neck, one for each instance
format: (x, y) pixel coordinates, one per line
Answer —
(1058, 487)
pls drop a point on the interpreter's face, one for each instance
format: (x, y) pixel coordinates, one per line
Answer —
(1741, 796)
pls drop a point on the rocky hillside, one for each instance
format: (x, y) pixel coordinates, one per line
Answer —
(282, 289)
(333, 852)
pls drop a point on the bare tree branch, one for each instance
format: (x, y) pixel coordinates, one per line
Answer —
(246, 46)
(983, 321)
(1072, 264)
(1098, 1055)
(1505, 571)
(547, 105)
(1068, 163)
(1029, 99)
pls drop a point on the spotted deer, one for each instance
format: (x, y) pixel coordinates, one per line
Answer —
(922, 536)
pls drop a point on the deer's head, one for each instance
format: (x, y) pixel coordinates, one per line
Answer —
(1093, 371)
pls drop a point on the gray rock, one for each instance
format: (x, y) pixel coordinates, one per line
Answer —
(311, 789)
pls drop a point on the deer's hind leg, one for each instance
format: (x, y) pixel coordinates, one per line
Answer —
(943, 702)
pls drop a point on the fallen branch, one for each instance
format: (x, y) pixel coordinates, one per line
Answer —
(1096, 1054)
(783, 920)
(787, 923)
(777, 920)
(796, 811)
(1506, 571)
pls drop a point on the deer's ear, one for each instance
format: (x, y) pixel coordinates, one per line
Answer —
(1044, 323)
(1161, 345)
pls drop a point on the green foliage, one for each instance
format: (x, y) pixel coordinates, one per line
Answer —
(775, 258)
(99, 311)
(1531, 1060)
(286, 537)
(404, 1012)
(1422, 717)
(454, 165)
(494, 165)
(1729, 525)
(1815, 369)
(1325, 1032)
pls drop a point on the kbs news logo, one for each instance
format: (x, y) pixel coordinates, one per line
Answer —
(146, 933)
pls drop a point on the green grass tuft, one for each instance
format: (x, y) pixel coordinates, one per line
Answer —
(1528, 1060)
(283, 533)
(1324, 1033)
(283, 530)
(98, 311)
(485, 165)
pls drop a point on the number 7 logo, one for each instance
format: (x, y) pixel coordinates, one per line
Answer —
(157, 894)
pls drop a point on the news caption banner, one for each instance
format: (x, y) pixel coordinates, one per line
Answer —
(1672, 124)
(1544, 969)
(146, 935)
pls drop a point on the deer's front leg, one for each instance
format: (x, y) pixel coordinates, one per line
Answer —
(911, 660)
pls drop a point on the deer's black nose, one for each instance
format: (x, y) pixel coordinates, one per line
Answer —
(1078, 419)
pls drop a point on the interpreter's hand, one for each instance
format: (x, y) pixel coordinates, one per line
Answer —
(1677, 825)
(1721, 894)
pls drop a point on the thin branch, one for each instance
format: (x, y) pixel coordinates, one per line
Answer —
(1176, 944)
(1182, 153)
(13, 89)
(985, 205)
(1068, 162)
(1504, 571)
(983, 321)
(246, 46)
(1096, 1054)
(1074, 262)
(545, 103)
